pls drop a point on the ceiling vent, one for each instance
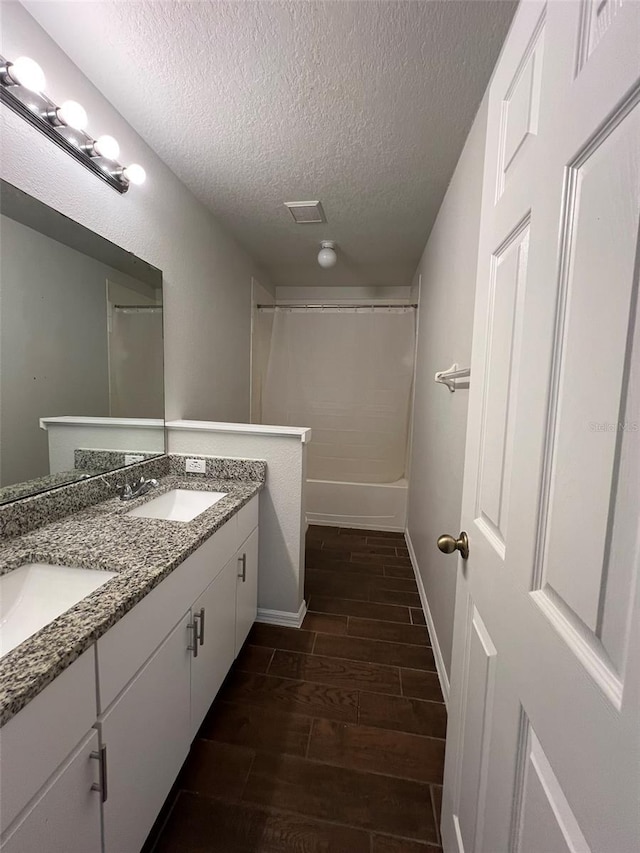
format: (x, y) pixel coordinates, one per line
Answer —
(306, 212)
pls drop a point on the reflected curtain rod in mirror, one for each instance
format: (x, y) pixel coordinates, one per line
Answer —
(21, 89)
(81, 351)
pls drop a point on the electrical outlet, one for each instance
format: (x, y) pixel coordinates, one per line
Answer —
(195, 466)
(133, 458)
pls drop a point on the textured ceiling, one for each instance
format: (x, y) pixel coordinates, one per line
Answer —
(363, 105)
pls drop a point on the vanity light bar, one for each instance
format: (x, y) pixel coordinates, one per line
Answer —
(21, 89)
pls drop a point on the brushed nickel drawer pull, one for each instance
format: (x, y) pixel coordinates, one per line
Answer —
(101, 786)
(201, 631)
(194, 627)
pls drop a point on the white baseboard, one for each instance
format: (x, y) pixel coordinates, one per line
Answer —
(286, 618)
(435, 645)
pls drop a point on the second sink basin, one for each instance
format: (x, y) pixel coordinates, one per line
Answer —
(178, 505)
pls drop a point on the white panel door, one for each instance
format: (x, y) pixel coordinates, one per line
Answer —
(543, 745)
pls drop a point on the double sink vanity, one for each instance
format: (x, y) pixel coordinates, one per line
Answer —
(123, 603)
(119, 623)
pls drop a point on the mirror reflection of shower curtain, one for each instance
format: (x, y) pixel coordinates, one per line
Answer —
(136, 363)
(348, 375)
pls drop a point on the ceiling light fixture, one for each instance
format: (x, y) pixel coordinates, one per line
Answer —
(71, 114)
(21, 89)
(327, 257)
(135, 174)
(24, 72)
(106, 146)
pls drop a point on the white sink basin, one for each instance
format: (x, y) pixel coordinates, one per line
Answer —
(36, 594)
(178, 505)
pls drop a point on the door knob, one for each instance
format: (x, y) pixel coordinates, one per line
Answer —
(447, 544)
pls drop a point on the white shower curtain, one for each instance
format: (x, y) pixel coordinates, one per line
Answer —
(136, 374)
(347, 374)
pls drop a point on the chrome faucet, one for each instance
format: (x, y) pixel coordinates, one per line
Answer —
(128, 492)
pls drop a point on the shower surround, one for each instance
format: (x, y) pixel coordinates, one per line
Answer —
(346, 372)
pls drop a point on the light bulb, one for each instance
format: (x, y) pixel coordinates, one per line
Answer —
(135, 174)
(106, 146)
(26, 72)
(73, 115)
(327, 257)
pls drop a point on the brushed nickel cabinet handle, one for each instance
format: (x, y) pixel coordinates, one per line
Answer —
(201, 630)
(243, 560)
(101, 786)
(194, 627)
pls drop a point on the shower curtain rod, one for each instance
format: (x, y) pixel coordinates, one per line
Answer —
(139, 307)
(332, 305)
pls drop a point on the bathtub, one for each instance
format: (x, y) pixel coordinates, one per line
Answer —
(371, 506)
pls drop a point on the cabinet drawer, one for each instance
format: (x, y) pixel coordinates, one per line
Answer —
(131, 641)
(66, 815)
(40, 737)
(247, 520)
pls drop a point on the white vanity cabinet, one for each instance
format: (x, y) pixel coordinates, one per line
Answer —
(147, 736)
(36, 747)
(212, 641)
(87, 764)
(246, 588)
(66, 814)
(223, 616)
(247, 574)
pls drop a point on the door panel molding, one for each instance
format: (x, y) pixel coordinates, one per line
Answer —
(521, 107)
(508, 277)
(475, 731)
(594, 616)
(545, 820)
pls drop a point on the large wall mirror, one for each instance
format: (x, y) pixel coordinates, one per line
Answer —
(81, 351)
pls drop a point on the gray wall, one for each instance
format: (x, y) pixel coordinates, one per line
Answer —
(207, 275)
(447, 272)
(53, 343)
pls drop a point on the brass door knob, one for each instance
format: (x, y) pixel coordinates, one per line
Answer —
(447, 544)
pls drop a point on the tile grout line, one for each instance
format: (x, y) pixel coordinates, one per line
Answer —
(320, 762)
(373, 662)
(311, 725)
(246, 779)
(370, 600)
(370, 618)
(271, 657)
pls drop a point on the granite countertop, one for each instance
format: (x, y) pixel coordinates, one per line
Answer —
(143, 551)
(42, 484)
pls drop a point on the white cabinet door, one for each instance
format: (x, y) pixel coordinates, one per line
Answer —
(36, 742)
(65, 818)
(147, 737)
(247, 588)
(214, 621)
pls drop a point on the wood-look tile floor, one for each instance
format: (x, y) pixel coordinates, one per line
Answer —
(329, 738)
